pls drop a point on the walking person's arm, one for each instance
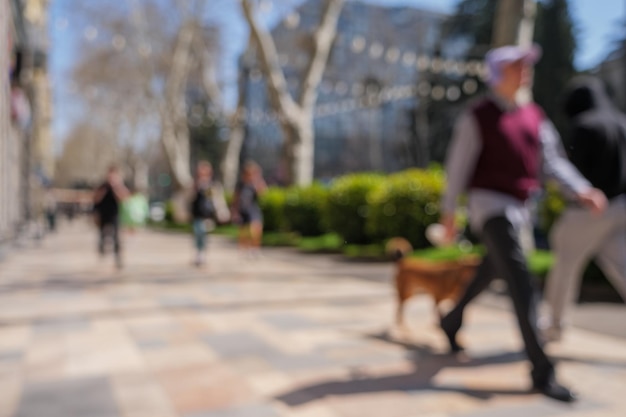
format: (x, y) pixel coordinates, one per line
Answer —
(555, 165)
(259, 184)
(219, 201)
(99, 194)
(234, 209)
(461, 161)
(119, 189)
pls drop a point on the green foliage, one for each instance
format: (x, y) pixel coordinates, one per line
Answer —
(348, 208)
(451, 253)
(405, 204)
(272, 204)
(474, 19)
(304, 207)
(370, 252)
(229, 230)
(540, 262)
(550, 207)
(328, 243)
(279, 239)
(169, 212)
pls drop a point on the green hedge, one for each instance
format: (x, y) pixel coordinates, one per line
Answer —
(304, 207)
(405, 204)
(272, 204)
(348, 208)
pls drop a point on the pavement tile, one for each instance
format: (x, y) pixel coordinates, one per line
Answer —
(11, 355)
(247, 365)
(241, 411)
(375, 404)
(105, 359)
(203, 388)
(312, 410)
(238, 344)
(60, 325)
(140, 395)
(179, 356)
(270, 383)
(180, 302)
(149, 344)
(287, 362)
(287, 336)
(14, 338)
(536, 407)
(90, 397)
(289, 321)
(10, 392)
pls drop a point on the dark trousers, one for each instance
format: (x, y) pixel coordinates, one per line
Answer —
(506, 259)
(109, 229)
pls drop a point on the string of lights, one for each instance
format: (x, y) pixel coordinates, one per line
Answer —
(465, 73)
(435, 92)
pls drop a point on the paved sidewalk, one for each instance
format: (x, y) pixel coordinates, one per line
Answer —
(281, 336)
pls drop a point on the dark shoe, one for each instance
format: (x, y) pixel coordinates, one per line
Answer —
(554, 390)
(450, 327)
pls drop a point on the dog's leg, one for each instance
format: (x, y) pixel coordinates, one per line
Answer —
(400, 312)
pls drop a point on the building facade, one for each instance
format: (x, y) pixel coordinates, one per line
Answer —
(365, 115)
(25, 145)
(10, 139)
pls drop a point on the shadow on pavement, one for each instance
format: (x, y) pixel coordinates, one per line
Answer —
(427, 365)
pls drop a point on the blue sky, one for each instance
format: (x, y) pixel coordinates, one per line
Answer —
(597, 25)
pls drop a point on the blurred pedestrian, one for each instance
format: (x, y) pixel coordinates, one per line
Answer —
(208, 207)
(50, 209)
(107, 200)
(598, 149)
(500, 148)
(246, 210)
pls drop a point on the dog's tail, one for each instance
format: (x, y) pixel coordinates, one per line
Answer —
(397, 248)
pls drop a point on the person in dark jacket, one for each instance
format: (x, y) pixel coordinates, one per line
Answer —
(246, 209)
(597, 147)
(501, 148)
(107, 200)
(208, 205)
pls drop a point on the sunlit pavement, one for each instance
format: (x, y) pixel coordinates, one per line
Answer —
(283, 335)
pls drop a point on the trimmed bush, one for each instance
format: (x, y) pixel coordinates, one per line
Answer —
(272, 204)
(347, 210)
(169, 212)
(304, 208)
(405, 205)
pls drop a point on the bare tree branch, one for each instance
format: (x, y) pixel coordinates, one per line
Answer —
(297, 117)
(269, 58)
(323, 39)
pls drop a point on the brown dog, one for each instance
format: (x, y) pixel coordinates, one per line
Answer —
(443, 280)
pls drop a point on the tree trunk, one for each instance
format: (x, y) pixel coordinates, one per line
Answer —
(514, 25)
(230, 164)
(515, 22)
(174, 131)
(176, 147)
(298, 127)
(300, 151)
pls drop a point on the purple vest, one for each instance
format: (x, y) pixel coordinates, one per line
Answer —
(509, 161)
